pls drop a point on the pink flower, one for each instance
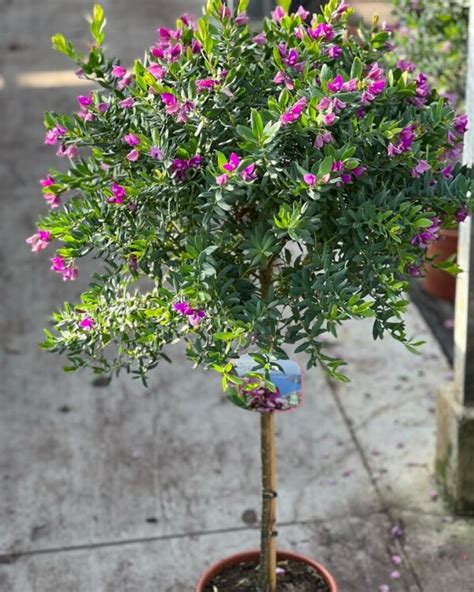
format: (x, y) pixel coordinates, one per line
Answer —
(294, 113)
(375, 88)
(53, 135)
(302, 13)
(52, 200)
(260, 39)
(396, 559)
(461, 214)
(384, 588)
(157, 71)
(421, 167)
(156, 153)
(127, 103)
(185, 108)
(350, 85)
(359, 170)
(170, 102)
(133, 155)
(324, 138)
(338, 105)
(103, 107)
(428, 235)
(125, 81)
(205, 84)
(406, 65)
(375, 72)
(336, 84)
(86, 323)
(68, 271)
(85, 100)
(131, 139)
(341, 9)
(329, 119)
(282, 78)
(47, 182)
(195, 316)
(241, 19)
(168, 34)
(222, 179)
(395, 575)
(322, 30)
(324, 103)
(460, 124)
(118, 71)
(392, 150)
(334, 51)
(278, 14)
(310, 179)
(39, 241)
(447, 171)
(248, 173)
(232, 163)
(196, 47)
(118, 194)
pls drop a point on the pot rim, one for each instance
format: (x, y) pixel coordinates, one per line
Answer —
(254, 554)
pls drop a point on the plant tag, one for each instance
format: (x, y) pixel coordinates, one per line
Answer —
(255, 395)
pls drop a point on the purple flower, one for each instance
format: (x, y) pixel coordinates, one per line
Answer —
(396, 531)
(428, 235)
(414, 270)
(376, 87)
(359, 170)
(324, 138)
(133, 155)
(248, 173)
(195, 161)
(334, 51)
(68, 271)
(196, 47)
(395, 575)
(447, 171)
(406, 137)
(52, 200)
(170, 102)
(118, 194)
(39, 241)
(85, 100)
(460, 124)
(127, 103)
(350, 85)
(157, 71)
(336, 84)
(184, 109)
(294, 113)
(205, 84)
(103, 107)
(156, 153)
(375, 72)
(461, 214)
(341, 9)
(421, 167)
(47, 182)
(69, 151)
(232, 163)
(384, 588)
(282, 78)
(125, 81)
(118, 71)
(278, 14)
(337, 166)
(338, 105)
(195, 316)
(406, 66)
(361, 113)
(302, 13)
(324, 103)
(310, 179)
(260, 39)
(241, 19)
(329, 118)
(222, 179)
(86, 323)
(322, 30)
(54, 134)
(181, 307)
(131, 139)
(396, 559)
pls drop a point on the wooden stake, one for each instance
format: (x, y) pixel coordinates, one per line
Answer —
(267, 579)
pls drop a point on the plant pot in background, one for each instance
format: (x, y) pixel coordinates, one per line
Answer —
(437, 282)
(254, 555)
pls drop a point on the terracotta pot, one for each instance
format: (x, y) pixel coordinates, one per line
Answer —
(438, 282)
(254, 556)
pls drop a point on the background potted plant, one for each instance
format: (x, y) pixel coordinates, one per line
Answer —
(431, 36)
(244, 192)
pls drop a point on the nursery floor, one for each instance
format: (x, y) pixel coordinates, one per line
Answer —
(121, 489)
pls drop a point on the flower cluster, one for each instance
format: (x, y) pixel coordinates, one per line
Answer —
(203, 167)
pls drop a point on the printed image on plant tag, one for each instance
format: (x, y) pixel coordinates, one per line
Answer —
(254, 395)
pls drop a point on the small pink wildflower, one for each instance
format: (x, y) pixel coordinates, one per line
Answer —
(205, 84)
(241, 19)
(248, 173)
(86, 323)
(47, 182)
(336, 84)
(133, 155)
(278, 14)
(421, 167)
(222, 179)
(170, 102)
(118, 71)
(157, 71)
(53, 135)
(260, 39)
(39, 241)
(131, 139)
(69, 151)
(396, 559)
(52, 200)
(294, 113)
(85, 100)
(395, 575)
(232, 163)
(118, 194)
(310, 179)
(156, 153)
(127, 103)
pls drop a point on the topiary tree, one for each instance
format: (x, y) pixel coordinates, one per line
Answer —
(243, 193)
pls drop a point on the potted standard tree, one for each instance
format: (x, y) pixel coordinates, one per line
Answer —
(431, 38)
(244, 192)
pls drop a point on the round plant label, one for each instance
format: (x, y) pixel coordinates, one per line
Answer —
(255, 395)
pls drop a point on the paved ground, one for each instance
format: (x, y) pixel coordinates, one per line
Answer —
(121, 489)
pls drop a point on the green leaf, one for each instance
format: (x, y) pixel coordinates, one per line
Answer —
(325, 166)
(63, 46)
(98, 24)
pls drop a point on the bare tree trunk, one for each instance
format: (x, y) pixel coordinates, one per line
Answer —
(267, 579)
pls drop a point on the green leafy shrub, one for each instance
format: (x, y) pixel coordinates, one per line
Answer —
(244, 191)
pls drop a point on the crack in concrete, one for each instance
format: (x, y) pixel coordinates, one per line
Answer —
(13, 556)
(378, 492)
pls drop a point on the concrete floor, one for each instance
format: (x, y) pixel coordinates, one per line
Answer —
(122, 489)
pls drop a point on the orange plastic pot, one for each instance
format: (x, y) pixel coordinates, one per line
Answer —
(437, 282)
(255, 556)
